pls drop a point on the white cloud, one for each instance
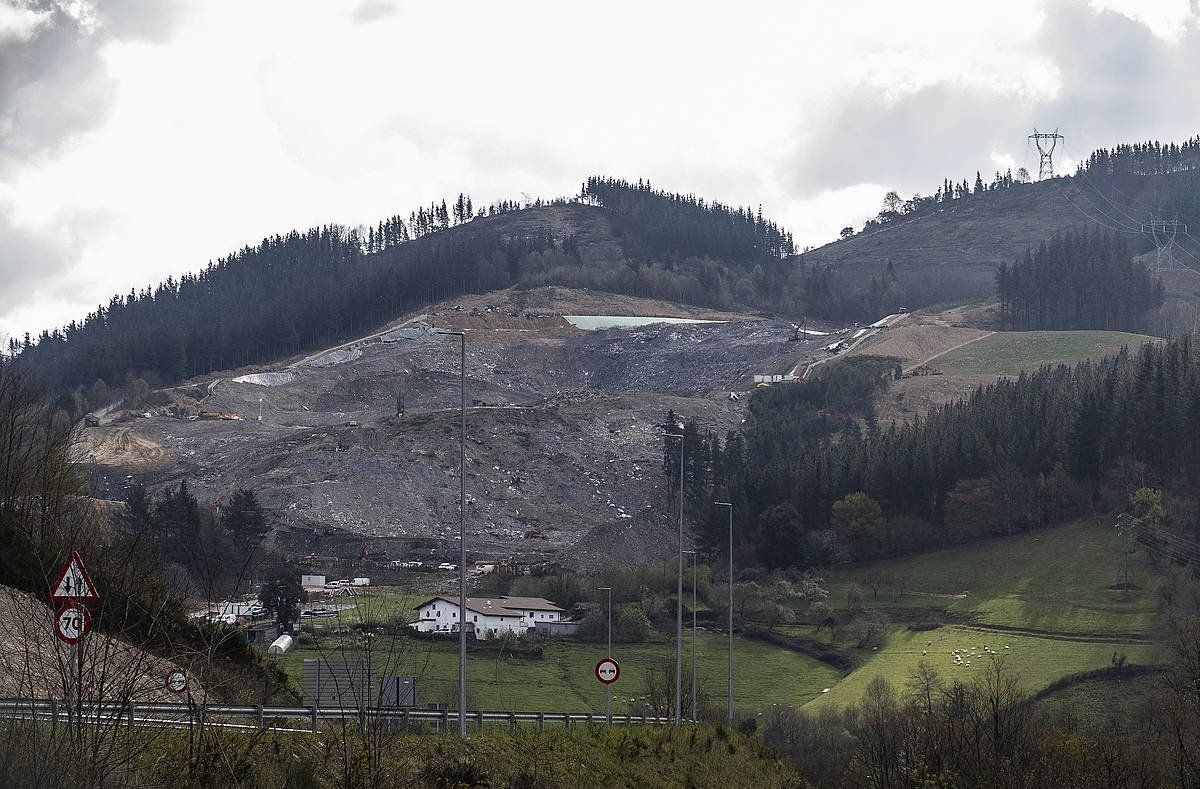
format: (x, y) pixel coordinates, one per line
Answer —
(205, 128)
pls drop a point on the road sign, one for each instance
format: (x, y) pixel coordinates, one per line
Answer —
(176, 681)
(72, 623)
(73, 584)
(607, 671)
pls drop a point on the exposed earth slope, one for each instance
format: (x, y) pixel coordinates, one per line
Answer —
(563, 446)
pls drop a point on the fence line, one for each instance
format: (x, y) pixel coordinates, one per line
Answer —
(181, 715)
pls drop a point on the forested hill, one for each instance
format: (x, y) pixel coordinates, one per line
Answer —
(949, 244)
(307, 289)
(1060, 442)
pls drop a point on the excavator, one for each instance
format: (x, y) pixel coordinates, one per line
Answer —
(798, 330)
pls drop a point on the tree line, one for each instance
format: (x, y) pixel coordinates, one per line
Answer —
(308, 289)
(1078, 280)
(289, 293)
(686, 225)
(1147, 158)
(814, 481)
(896, 207)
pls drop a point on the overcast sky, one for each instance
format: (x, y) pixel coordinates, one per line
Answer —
(143, 138)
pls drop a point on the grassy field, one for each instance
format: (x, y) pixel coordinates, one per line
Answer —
(1036, 660)
(1055, 580)
(563, 678)
(1008, 353)
(1047, 596)
(1100, 699)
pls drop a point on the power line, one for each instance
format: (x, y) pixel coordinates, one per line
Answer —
(1083, 171)
(1163, 232)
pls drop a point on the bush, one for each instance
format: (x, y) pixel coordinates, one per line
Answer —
(867, 629)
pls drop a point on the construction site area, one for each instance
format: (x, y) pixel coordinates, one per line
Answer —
(354, 450)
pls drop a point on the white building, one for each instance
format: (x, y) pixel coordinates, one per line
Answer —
(488, 617)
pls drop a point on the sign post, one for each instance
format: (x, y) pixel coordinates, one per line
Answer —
(608, 672)
(72, 621)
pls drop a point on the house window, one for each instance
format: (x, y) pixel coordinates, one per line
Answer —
(439, 613)
(455, 615)
(477, 617)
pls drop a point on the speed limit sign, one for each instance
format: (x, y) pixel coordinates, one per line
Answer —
(72, 623)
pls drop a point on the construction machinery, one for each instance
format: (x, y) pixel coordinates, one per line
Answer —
(798, 330)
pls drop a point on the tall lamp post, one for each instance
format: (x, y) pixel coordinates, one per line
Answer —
(679, 595)
(424, 333)
(608, 688)
(730, 681)
(695, 698)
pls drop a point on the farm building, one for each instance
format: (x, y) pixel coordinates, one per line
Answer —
(488, 617)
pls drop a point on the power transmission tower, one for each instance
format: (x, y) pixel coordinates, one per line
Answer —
(1163, 232)
(1127, 527)
(1046, 142)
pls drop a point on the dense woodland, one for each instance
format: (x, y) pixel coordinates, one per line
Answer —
(812, 486)
(1079, 280)
(1148, 158)
(667, 224)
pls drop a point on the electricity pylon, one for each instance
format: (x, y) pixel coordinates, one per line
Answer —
(1046, 142)
(1127, 527)
(1163, 232)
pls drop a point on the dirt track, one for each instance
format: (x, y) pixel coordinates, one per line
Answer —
(123, 447)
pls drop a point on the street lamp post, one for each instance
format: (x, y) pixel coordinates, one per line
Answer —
(730, 623)
(695, 698)
(424, 333)
(608, 688)
(462, 536)
(679, 595)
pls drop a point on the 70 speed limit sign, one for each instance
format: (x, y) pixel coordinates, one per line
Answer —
(72, 623)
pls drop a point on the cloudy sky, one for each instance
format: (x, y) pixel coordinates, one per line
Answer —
(141, 138)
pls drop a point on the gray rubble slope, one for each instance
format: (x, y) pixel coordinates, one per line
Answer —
(566, 443)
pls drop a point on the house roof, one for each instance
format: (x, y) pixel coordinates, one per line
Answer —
(499, 605)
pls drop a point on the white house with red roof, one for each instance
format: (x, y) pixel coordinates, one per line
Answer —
(487, 617)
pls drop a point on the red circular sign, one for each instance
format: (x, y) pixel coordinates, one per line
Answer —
(72, 622)
(607, 671)
(176, 681)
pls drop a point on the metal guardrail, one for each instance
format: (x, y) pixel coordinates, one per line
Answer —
(180, 715)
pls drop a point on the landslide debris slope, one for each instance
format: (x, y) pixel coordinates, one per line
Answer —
(563, 427)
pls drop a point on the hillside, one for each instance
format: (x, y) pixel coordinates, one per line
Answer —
(1048, 605)
(562, 439)
(951, 253)
(945, 356)
(32, 660)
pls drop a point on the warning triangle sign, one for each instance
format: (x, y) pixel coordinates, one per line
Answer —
(73, 582)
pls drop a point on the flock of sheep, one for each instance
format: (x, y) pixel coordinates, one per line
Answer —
(962, 656)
